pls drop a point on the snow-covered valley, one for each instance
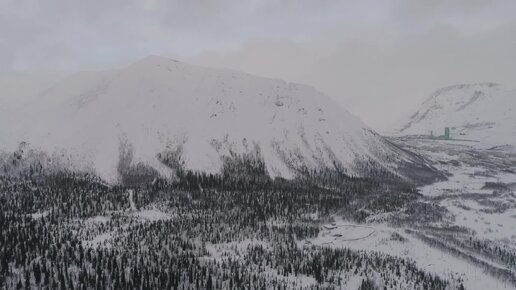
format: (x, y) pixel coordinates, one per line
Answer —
(478, 205)
(459, 234)
(167, 175)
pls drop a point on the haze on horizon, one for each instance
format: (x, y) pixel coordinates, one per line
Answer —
(378, 59)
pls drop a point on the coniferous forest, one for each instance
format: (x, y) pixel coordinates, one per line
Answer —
(67, 230)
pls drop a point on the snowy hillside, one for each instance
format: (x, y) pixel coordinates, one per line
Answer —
(196, 116)
(18, 88)
(484, 112)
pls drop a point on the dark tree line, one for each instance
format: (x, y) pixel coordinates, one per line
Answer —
(65, 230)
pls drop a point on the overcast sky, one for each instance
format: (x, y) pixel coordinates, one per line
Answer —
(378, 59)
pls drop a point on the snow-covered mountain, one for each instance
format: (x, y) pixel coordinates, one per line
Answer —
(195, 116)
(484, 112)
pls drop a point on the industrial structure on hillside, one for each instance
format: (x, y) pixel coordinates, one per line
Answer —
(446, 135)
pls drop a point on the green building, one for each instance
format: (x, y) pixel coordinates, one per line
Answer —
(447, 133)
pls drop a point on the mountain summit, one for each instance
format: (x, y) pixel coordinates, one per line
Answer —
(196, 118)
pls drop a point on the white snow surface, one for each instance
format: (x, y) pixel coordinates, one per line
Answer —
(484, 112)
(428, 258)
(160, 104)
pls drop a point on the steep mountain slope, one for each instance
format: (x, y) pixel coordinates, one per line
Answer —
(160, 109)
(484, 112)
(17, 88)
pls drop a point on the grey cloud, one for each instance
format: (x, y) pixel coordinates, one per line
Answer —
(127, 29)
(378, 74)
(372, 56)
(6, 60)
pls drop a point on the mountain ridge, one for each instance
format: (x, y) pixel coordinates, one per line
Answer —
(481, 112)
(200, 115)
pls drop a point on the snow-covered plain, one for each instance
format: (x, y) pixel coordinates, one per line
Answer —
(477, 200)
(482, 213)
(426, 257)
(490, 213)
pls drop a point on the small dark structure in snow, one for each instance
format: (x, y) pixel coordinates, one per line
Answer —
(446, 133)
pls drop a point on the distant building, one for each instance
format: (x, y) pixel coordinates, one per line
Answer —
(447, 133)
